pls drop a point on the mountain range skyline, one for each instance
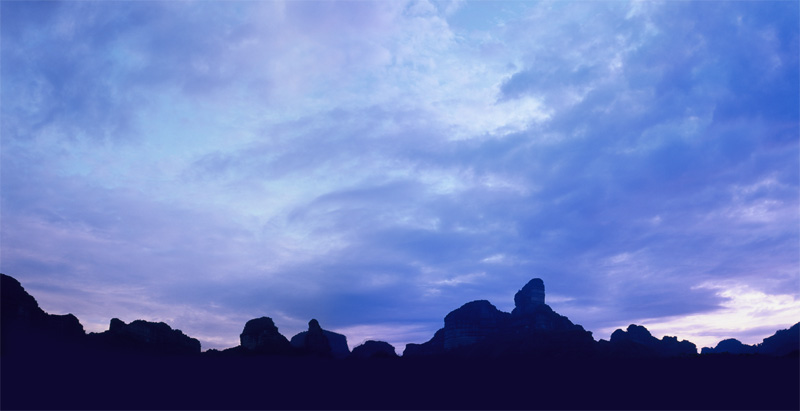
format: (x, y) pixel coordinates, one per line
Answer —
(483, 358)
(531, 296)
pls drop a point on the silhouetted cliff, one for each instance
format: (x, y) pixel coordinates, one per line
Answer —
(432, 347)
(26, 326)
(334, 344)
(145, 336)
(374, 349)
(530, 297)
(473, 323)
(730, 346)
(261, 336)
(783, 342)
(638, 342)
(479, 329)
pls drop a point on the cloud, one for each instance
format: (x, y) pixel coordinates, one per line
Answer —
(747, 314)
(308, 160)
(396, 334)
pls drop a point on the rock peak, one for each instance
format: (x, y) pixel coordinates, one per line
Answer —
(530, 296)
(314, 325)
(317, 340)
(261, 334)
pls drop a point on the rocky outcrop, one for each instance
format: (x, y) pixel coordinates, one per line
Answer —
(783, 342)
(434, 346)
(473, 322)
(529, 298)
(637, 341)
(540, 318)
(315, 340)
(66, 325)
(147, 336)
(310, 341)
(24, 322)
(18, 306)
(731, 346)
(26, 326)
(478, 328)
(260, 335)
(374, 349)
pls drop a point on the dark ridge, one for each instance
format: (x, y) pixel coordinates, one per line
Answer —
(782, 343)
(26, 327)
(478, 329)
(145, 336)
(638, 342)
(730, 346)
(483, 358)
(374, 349)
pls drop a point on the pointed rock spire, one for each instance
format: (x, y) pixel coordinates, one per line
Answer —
(530, 296)
(315, 340)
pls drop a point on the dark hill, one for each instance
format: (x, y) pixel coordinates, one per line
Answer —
(783, 342)
(479, 329)
(636, 341)
(25, 326)
(145, 336)
(374, 349)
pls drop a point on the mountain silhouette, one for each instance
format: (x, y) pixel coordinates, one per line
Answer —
(783, 342)
(321, 342)
(374, 349)
(141, 335)
(730, 346)
(637, 341)
(25, 326)
(479, 329)
(483, 358)
(261, 336)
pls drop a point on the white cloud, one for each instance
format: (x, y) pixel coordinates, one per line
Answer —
(459, 279)
(396, 334)
(745, 308)
(494, 259)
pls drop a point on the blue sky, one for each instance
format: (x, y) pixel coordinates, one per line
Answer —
(375, 165)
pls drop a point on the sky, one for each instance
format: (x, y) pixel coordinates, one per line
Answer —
(377, 164)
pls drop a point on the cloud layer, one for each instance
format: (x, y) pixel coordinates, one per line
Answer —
(375, 165)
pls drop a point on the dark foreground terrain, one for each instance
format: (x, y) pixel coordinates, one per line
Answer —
(130, 381)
